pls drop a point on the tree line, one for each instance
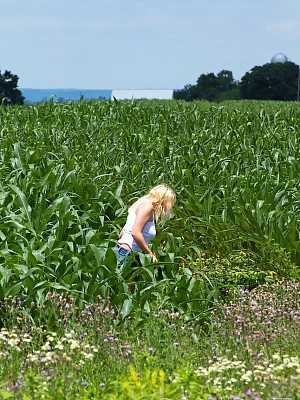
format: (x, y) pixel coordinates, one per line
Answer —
(271, 81)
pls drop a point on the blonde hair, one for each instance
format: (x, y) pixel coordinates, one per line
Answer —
(163, 199)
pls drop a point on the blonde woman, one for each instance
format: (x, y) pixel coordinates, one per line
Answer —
(139, 229)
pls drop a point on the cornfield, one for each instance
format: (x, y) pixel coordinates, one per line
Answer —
(68, 173)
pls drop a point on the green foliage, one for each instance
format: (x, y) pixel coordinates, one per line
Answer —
(210, 87)
(9, 92)
(271, 81)
(274, 258)
(250, 350)
(244, 270)
(150, 385)
(68, 173)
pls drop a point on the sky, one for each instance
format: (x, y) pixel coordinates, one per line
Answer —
(139, 44)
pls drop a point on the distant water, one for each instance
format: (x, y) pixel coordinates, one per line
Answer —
(42, 95)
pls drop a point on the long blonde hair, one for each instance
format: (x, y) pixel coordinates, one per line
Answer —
(163, 199)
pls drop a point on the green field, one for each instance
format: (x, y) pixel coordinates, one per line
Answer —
(217, 317)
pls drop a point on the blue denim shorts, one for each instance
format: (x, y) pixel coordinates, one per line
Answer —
(122, 255)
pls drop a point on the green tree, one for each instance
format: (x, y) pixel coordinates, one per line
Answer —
(271, 81)
(188, 93)
(211, 87)
(225, 80)
(208, 86)
(9, 92)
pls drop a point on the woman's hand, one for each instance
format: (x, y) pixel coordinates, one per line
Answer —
(153, 258)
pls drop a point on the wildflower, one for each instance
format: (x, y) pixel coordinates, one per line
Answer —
(162, 376)
(69, 335)
(88, 356)
(246, 377)
(66, 357)
(59, 346)
(74, 344)
(46, 346)
(32, 358)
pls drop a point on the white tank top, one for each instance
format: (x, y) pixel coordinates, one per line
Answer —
(148, 231)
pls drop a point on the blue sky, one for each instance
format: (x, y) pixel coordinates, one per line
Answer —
(122, 44)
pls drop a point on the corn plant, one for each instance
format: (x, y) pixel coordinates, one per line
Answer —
(68, 173)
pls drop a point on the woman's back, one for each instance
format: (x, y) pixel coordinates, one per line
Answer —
(148, 231)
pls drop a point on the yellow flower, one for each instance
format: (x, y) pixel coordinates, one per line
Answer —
(134, 376)
(153, 378)
(162, 376)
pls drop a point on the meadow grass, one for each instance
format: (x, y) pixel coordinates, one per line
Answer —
(250, 350)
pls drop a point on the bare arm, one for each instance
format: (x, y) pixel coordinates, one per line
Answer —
(143, 215)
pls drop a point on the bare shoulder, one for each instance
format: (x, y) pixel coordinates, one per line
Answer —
(144, 205)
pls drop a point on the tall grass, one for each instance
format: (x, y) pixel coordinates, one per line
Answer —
(68, 172)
